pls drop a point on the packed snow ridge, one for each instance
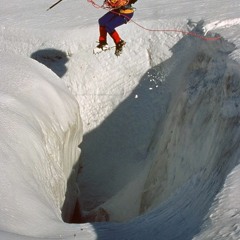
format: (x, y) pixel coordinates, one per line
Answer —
(158, 132)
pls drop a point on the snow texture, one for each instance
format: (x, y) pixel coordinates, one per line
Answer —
(152, 137)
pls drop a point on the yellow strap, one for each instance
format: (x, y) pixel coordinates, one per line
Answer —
(126, 11)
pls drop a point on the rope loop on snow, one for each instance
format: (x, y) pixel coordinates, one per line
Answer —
(155, 30)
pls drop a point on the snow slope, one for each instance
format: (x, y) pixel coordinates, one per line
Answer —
(159, 125)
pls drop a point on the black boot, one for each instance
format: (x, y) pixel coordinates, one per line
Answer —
(119, 47)
(102, 46)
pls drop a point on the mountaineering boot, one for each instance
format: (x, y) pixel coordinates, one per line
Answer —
(119, 47)
(102, 46)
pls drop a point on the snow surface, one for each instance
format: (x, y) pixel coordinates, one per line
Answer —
(158, 126)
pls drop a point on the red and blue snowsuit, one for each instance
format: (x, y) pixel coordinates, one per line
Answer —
(114, 19)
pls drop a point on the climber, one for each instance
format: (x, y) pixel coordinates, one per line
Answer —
(121, 12)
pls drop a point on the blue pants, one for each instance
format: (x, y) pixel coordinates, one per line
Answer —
(111, 20)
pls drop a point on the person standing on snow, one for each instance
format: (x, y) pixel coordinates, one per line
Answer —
(122, 12)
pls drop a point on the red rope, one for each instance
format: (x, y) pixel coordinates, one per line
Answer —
(95, 4)
(156, 30)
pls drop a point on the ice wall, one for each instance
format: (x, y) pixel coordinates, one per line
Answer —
(40, 131)
(198, 135)
(196, 147)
